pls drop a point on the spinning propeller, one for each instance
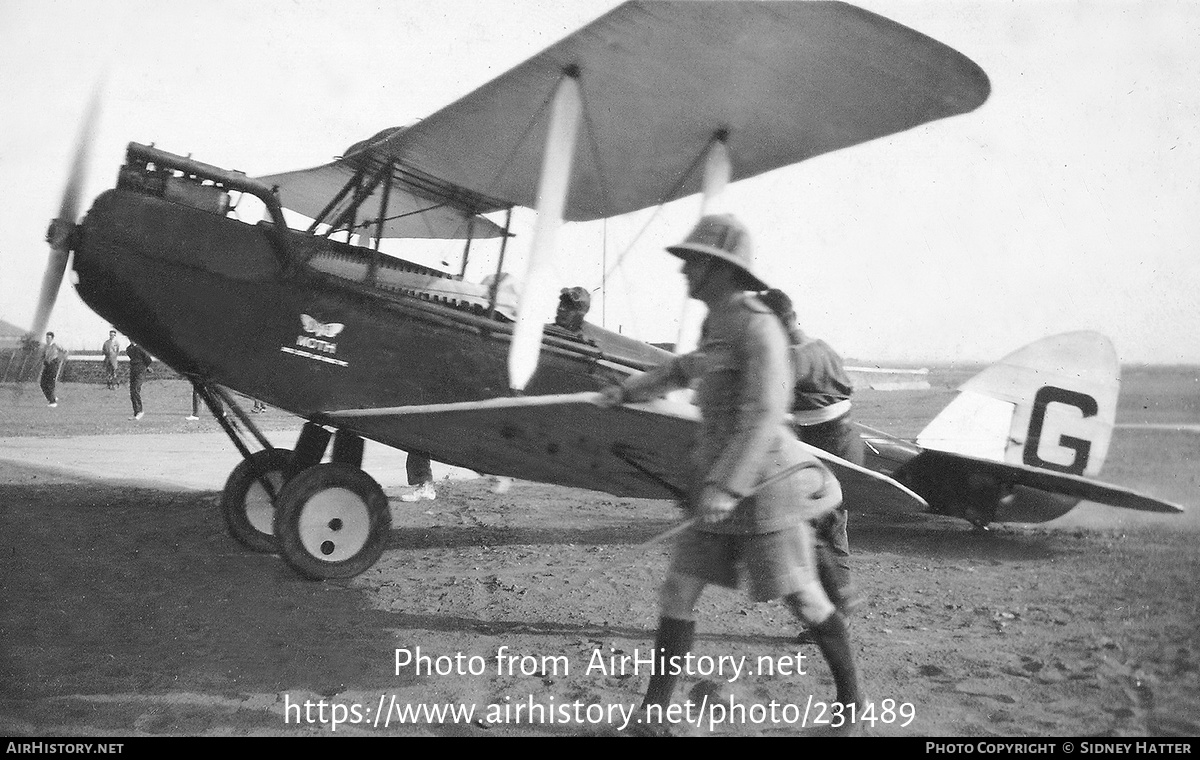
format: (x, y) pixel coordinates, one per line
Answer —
(60, 228)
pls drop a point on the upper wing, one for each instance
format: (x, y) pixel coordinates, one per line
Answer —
(784, 80)
(639, 450)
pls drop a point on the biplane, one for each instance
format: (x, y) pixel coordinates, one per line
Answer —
(649, 103)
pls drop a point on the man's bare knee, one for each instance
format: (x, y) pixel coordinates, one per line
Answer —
(810, 604)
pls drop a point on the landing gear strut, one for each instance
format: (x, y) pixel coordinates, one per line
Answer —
(327, 520)
(248, 499)
(980, 498)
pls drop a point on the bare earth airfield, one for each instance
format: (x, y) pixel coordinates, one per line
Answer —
(126, 609)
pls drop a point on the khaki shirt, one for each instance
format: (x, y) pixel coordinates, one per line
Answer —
(112, 350)
(744, 393)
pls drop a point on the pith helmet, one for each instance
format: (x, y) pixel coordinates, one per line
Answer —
(724, 237)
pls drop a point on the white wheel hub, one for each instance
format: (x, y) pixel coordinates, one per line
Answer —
(260, 508)
(334, 525)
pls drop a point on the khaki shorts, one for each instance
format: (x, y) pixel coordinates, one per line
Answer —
(770, 565)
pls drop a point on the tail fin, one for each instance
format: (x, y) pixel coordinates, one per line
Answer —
(1048, 405)
(1051, 405)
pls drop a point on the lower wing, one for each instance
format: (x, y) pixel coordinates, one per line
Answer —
(637, 450)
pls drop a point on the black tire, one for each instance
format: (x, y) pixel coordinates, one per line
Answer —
(248, 509)
(332, 521)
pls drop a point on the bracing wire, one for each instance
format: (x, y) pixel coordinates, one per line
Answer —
(683, 178)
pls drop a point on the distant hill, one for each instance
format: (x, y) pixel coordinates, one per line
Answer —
(10, 334)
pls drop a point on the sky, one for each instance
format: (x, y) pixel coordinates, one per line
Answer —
(1068, 201)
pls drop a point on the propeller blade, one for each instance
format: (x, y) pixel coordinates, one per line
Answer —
(537, 295)
(717, 170)
(51, 281)
(68, 212)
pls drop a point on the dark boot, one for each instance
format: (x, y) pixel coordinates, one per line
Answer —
(673, 640)
(833, 637)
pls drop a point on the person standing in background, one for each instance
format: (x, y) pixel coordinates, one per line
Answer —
(112, 350)
(197, 402)
(420, 476)
(139, 365)
(53, 357)
(821, 418)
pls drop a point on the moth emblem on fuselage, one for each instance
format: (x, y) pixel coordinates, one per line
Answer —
(319, 328)
(315, 345)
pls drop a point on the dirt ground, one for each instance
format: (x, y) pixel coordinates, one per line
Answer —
(132, 612)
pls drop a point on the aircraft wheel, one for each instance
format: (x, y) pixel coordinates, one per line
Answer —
(332, 521)
(247, 506)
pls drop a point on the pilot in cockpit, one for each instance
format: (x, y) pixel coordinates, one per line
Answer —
(573, 305)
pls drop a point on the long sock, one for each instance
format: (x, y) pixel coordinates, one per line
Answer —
(835, 579)
(674, 639)
(833, 637)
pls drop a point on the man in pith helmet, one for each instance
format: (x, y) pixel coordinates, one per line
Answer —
(754, 489)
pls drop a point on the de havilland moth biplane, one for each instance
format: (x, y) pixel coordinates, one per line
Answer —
(652, 102)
